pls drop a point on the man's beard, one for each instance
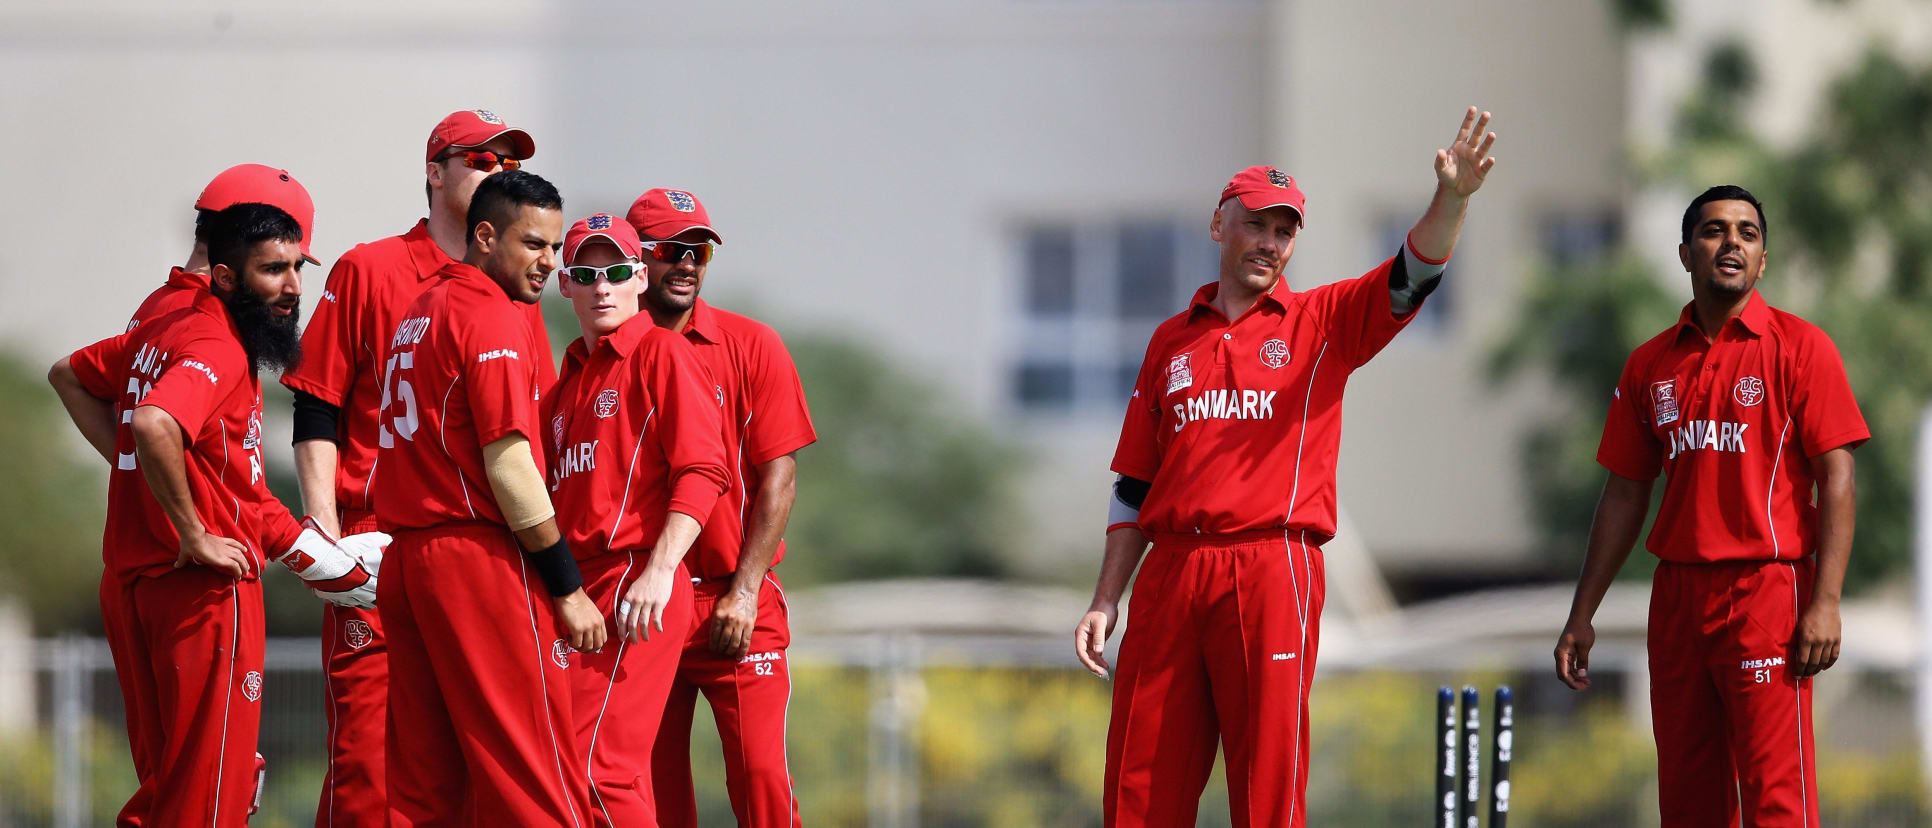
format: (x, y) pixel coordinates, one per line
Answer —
(271, 343)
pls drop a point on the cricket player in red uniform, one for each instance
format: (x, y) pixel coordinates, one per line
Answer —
(175, 405)
(736, 653)
(481, 599)
(1227, 464)
(637, 463)
(1747, 412)
(337, 391)
(240, 184)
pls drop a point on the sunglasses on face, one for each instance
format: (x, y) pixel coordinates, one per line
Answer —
(616, 274)
(674, 252)
(485, 160)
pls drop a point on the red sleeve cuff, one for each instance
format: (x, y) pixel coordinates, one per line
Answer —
(1410, 243)
(695, 494)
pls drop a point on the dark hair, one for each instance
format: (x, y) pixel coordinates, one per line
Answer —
(499, 197)
(1721, 192)
(233, 233)
(204, 221)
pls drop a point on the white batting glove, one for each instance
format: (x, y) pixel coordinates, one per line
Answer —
(331, 572)
(368, 548)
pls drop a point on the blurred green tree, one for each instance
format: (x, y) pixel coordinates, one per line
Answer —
(53, 503)
(1849, 214)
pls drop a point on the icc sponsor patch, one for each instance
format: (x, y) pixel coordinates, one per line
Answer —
(1274, 353)
(357, 634)
(681, 201)
(1663, 399)
(606, 404)
(252, 685)
(1179, 376)
(560, 653)
(1748, 392)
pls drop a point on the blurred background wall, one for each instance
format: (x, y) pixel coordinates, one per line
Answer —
(966, 218)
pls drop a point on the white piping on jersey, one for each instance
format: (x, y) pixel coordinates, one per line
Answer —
(1301, 435)
(228, 698)
(624, 501)
(442, 421)
(335, 714)
(784, 723)
(1301, 620)
(1773, 486)
(543, 685)
(1798, 689)
(598, 725)
(744, 492)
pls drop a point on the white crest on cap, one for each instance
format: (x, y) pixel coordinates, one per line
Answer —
(681, 201)
(1279, 178)
(488, 116)
(601, 221)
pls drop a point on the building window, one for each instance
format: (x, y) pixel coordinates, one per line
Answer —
(1093, 293)
(1571, 237)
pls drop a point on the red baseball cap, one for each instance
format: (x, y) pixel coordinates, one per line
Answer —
(602, 226)
(259, 184)
(1260, 188)
(661, 214)
(474, 128)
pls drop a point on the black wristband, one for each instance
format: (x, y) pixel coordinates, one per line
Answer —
(315, 419)
(558, 569)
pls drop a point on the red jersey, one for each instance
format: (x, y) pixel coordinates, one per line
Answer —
(635, 431)
(176, 293)
(765, 418)
(189, 363)
(1732, 424)
(1237, 424)
(460, 374)
(345, 346)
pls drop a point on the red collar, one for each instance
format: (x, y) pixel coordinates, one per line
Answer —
(1755, 319)
(703, 322)
(1204, 297)
(623, 340)
(188, 279)
(423, 251)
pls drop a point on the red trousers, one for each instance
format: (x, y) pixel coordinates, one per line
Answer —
(749, 698)
(355, 696)
(1733, 725)
(1220, 645)
(479, 690)
(619, 692)
(188, 653)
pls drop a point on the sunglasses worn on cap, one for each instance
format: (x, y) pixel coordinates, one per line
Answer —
(485, 160)
(674, 252)
(616, 274)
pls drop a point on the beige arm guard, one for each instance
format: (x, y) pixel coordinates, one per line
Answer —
(517, 484)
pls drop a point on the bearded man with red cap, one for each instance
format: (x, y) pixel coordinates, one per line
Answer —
(338, 396)
(1226, 464)
(240, 184)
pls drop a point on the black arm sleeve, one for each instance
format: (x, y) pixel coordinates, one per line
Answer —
(1399, 280)
(315, 419)
(1131, 490)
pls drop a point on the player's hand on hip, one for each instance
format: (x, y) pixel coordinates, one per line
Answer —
(732, 622)
(1819, 635)
(583, 625)
(1573, 654)
(328, 570)
(225, 555)
(1090, 638)
(642, 607)
(1462, 167)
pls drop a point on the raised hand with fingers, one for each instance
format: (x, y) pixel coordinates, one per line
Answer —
(1462, 166)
